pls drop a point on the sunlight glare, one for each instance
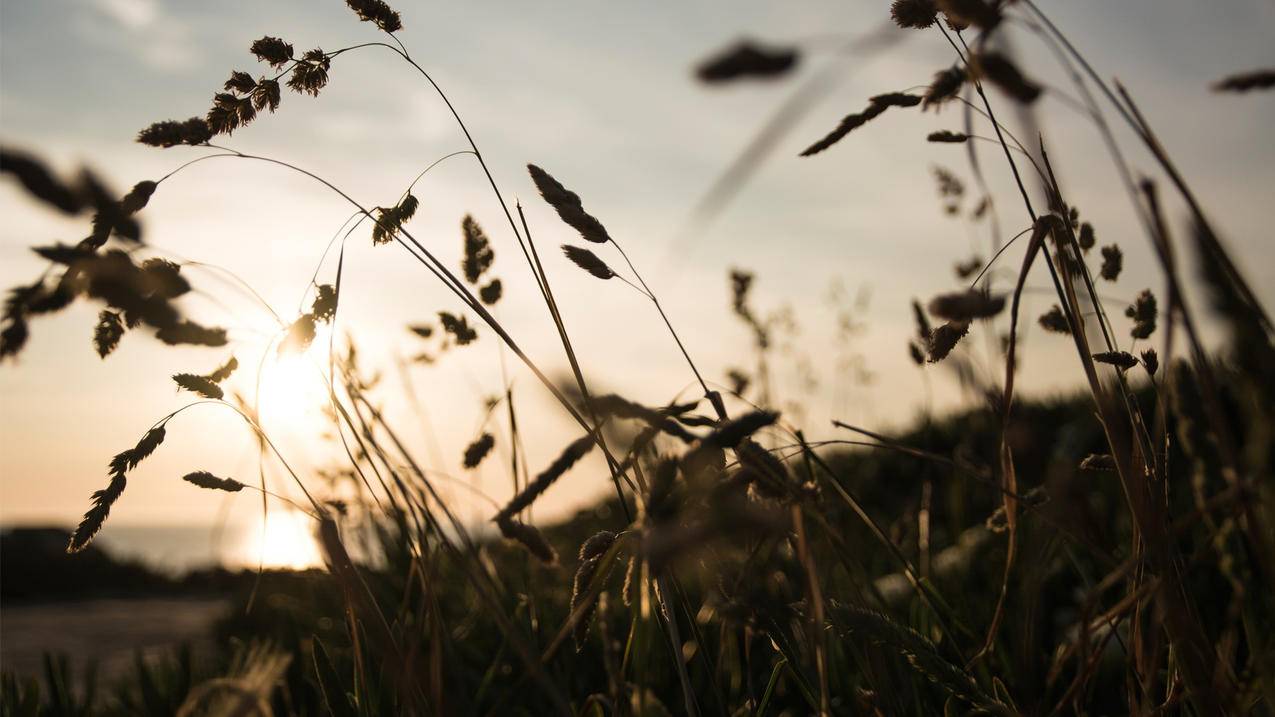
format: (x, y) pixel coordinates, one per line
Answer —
(292, 388)
(286, 541)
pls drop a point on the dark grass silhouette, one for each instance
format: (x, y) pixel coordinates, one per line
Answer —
(1110, 554)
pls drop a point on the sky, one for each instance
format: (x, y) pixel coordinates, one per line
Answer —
(602, 95)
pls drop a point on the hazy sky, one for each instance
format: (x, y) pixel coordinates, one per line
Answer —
(601, 95)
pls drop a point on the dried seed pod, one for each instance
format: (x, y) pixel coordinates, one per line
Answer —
(947, 136)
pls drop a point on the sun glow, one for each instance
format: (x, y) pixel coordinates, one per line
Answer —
(292, 389)
(286, 541)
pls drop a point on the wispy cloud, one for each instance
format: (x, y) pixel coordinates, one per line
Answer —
(158, 39)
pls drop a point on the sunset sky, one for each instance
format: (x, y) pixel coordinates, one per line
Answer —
(601, 95)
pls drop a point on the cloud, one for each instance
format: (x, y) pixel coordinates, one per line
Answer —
(158, 40)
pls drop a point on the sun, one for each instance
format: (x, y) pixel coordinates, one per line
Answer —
(285, 542)
(293, 390)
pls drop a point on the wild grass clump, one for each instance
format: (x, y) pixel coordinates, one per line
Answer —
(1105, 555)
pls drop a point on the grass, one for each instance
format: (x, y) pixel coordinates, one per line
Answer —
(1106, 555)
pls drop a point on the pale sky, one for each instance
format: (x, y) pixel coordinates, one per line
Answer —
(602, 96)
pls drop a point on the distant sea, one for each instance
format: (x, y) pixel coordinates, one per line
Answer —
(178, 549)
(287, 541)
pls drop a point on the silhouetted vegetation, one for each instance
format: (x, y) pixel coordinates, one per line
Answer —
(1106, 553)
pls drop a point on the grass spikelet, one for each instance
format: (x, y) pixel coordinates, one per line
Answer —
(325, 303)
(573, 453)
(170, 133)
(310, 73)
(191, 333)
(945, 85)
(914, 14)
(224, 371)
(747, 59)
(1246, 81)
(1112, 262)
(272, 50)
(971, 12)
(769, 474)
(1151, 361)
(733, 432)
(920, 653)
(591, 554)
(970, 267)
(389, 220)
(458, 327)
(568, 206)
(529, 537)
(1055, 321)
(137, 197)
(628, 593)
(240, 82)
(491, 293)
(199, 385)
(966, 306)
(377, 12)
(110, 328)
(478, 253)
(96, 515)
(229, 113)
(588, 261)
(266, 95)
(620, 407)
(204, 479)
(1143, 313)
(947, 136)
(922, 321)
(1098, 462)
(1086, 238)
(659, 503)
(1005, 74)
(1122, 360)
(299, 337)
(125, 461)
(876, 106)
(943, 339)
(478, 450)
(163, 279)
